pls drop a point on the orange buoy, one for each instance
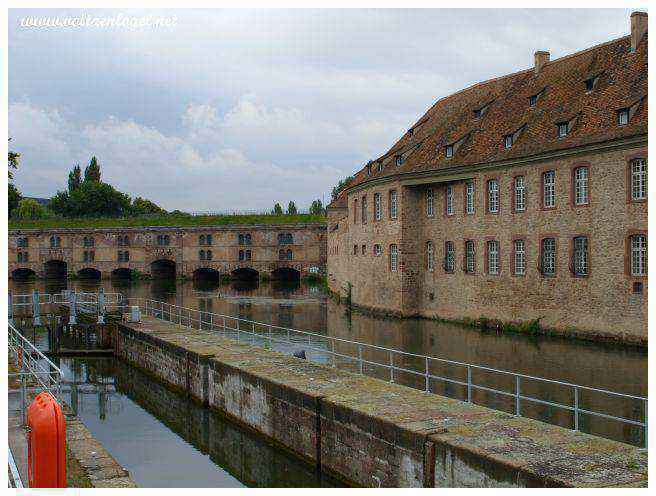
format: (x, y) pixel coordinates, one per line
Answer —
(46, 443)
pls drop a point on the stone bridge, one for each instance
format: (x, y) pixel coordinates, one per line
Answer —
(240, 251)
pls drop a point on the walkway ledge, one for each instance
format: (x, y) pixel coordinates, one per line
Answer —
(369, 432)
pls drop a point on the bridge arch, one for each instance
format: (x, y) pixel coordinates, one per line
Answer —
(286, 274)
(89, 273)
(55, 269)
(245, 274)
(163, 269)
(122, 273)
(22, 274)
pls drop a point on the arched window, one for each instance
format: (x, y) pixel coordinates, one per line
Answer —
(208, 255)
(208, 240)
(247, 239)
(393, 260)
(580, 256)
(201, 241)
(201, 254)
(281, 254)
(241, 255)
(639, 255)
(429, 256)
(639, 179)
(470, 257)
(248, 255)
(240, 239)
(289, 255)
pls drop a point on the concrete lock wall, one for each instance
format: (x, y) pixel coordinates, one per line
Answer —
(369, 432)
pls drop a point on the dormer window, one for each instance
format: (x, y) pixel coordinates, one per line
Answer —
(508, 141)
(533, 101)
(369, 169)
(590, 83)
(399, 160)
(379, 166)
(449, 151)
(623, 117)
(411, 132)
(478, 113)
(563, 129)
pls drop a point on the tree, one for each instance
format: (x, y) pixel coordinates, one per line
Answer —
(291, 208)
(74, 178)
(343, 183)
(96, 199)
(277, 209)
(14, 197)
(92, 172)
(141, 206)
(317, 208)
(30, 209)
(13, 162)
(60, 204)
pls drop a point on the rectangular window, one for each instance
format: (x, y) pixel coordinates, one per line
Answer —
(379, 166)
(393, 258)
(399, 160)
(520, 194)
(639, 255)
(493, 196)
(470, 257)
(449, 200)
(364, 209)
(580, 256)
(355, 249)
(508, 141)
(429, 256)
(533, 101)
(520, 257)
(364, 249)
(549, 189)
(469, 197)
(581, 186)
(449, 257)
(449, 151)
(369, 169)
(493, 257)
(378, 211)
(392, 204)
(548, 257)
(377, 251)
(639, 179)
(622, 117)
(429, 203)
(355, 211)
(562, 129)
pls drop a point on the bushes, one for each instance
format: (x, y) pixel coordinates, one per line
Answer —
(29, 209)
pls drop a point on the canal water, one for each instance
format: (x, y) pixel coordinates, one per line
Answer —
(306, 307)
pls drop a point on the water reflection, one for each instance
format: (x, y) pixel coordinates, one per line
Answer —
(305, 307)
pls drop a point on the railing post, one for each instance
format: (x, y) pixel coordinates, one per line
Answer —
(101, 306)
(270, 336)
(517, 396)
(36, 308)
(427, 379)
(646, 417)
(224, 327)
(469, 384)
(576, 408)
(360, 357)
(391, 357)
(72, 320)
(334, 359)
(11, 307)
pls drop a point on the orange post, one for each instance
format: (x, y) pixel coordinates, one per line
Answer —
(46, 451)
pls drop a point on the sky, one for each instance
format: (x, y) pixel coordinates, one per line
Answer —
(233, 110)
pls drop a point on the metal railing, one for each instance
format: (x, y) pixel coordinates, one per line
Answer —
(265, 335)
(15, 478)
(35, 373)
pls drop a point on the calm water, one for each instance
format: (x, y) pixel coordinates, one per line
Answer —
(306, 307)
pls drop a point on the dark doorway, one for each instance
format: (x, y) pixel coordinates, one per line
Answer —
(286, 274)
(206, 279)
(89, 273)
(23, 274)
(55, 269)
(245, 274)
(162, 269)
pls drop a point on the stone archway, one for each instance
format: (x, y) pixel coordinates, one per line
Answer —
(22, 274)
(55, 269)
(89, 273)
(163, 269)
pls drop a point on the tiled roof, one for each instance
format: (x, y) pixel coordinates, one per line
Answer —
(622, 82)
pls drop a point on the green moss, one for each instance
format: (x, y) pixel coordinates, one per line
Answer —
(225, 279)
(264, 277)
(169, 220)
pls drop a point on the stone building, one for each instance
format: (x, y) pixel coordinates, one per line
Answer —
(241, 251)
(520, 198)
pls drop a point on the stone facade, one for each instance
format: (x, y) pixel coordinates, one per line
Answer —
(147, 249)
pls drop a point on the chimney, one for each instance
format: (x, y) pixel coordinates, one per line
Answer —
(638, 28)
(541, 58)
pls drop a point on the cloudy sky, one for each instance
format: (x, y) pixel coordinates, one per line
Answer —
(239, 109)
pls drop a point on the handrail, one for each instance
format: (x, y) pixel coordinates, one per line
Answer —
(156, 308)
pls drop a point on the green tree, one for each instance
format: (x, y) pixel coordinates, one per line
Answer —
(96, 199)
(74, 178)
(13, 162)
(14, 197)
(317, 208)
(291, 208)
(92, 172)
(30, 209)
(60, 204)
(141, 206)
(343, 183)
(277, 209)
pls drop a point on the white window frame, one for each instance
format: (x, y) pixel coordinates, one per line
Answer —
(508, 141)
(448, 153)
(519, 249)
(563, 129)
(549, 189)
(548, 257)
(638, 179)
(430, 202)
(470, 257)
(520, 193)
(378, 209)
(622, 117)
(469, 195)
(449, 257)
(377, 250)
(493, 196)
(580, 256)
(393, 207)
(430, 256)
(493, 257)
(394, 257)
(581, 189)
(639, 255)
(449, 200)
(399, 160)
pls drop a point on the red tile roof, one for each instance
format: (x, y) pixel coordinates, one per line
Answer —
(622, 82)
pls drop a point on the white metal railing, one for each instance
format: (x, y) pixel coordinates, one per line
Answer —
(264, 334)
(36, 372)
(15, 481)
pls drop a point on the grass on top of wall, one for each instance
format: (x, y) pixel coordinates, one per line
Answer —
(163, 220)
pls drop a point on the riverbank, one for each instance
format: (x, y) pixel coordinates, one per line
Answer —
(369, 432)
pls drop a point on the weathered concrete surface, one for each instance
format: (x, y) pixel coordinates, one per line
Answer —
(370, 432)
